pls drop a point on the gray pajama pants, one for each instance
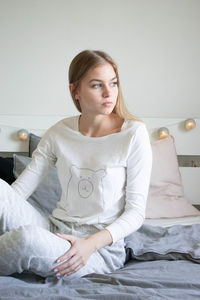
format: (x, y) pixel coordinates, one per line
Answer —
(28, 240)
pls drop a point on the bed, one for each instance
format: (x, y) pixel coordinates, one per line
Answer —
(162, 257)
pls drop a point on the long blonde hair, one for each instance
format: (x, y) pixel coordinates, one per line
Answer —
(87, 60)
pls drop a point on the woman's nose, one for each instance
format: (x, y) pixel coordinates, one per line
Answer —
(106, 91)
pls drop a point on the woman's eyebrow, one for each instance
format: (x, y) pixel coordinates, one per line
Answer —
(101, 80)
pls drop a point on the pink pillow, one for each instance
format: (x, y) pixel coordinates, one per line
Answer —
(166, 198)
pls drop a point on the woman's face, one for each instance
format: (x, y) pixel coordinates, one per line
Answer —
(98, 90)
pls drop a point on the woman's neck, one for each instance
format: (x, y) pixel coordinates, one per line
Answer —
(101, 125)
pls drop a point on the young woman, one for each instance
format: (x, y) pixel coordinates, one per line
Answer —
(103, 158)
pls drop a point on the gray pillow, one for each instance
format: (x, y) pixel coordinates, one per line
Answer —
(47, 194)
(33, 142)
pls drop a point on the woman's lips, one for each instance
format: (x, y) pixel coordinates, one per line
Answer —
(108, 103)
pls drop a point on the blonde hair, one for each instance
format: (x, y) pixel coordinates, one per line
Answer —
(87, 60)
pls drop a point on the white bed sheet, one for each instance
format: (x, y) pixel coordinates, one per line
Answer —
(165, 222)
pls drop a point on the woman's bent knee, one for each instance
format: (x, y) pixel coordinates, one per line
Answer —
(31, 248)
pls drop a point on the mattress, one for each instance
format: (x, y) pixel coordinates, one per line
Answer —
(165, 222)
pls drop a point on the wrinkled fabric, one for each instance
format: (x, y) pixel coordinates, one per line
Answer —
(28, 240)
(173, 243)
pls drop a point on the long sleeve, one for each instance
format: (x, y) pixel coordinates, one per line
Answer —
(139, 163)
(42, 160)
(104, 180)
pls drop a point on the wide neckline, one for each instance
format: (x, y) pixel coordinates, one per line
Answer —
(98, 137)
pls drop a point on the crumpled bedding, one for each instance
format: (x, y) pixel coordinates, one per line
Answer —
(162, 263)
(171, 243)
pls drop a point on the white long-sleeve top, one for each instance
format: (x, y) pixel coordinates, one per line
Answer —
(104, 180)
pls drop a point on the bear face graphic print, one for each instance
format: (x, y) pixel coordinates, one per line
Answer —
(85, 187)
(85, 195)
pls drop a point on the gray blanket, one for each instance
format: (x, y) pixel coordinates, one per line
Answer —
(162, 263)
(171, 243)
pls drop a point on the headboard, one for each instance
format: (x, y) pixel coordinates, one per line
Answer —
(187, 143)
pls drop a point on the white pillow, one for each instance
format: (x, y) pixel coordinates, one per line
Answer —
(166, 197)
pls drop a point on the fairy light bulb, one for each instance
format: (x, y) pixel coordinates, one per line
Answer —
(22, 134)
(163, 132)
(190, 124)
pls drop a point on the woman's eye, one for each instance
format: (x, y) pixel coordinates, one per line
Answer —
(99, 85)
(113, 83)
(96, 86)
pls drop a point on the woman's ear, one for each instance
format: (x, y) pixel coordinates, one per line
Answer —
(73, 94)
(71, 88)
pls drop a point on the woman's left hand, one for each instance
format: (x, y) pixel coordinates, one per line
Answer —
(76, 257)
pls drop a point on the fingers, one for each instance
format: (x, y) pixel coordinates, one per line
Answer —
(75, 269)
(75, 258)
(62, 258)
(63, 235)
(66, 256)
(67, 237)
(70, 252)
(69, 267)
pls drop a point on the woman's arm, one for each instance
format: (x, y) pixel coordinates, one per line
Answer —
(34, 173)
(139, 164)
(100, 239)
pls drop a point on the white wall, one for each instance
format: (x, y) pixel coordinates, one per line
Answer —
(156, 44)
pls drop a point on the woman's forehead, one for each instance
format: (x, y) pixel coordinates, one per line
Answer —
(101, 72)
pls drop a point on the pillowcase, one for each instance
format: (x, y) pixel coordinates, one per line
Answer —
(166, 196)
(6, 169)
(47, 194)
(33, 142)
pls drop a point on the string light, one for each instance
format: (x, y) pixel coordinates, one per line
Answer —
(163, 132)
(190, 124)
(23, 134)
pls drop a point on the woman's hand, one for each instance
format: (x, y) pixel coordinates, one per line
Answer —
(76, 256)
